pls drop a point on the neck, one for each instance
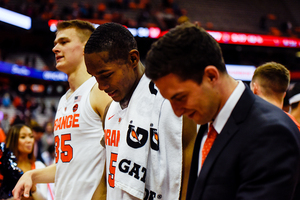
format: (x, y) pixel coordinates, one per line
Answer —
(296, 114)
(140, 69)
(225, 92)
(78, 77)
(23, 158)
(275, 101)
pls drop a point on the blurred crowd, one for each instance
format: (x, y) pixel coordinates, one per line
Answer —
(28, 110)
(145, 13)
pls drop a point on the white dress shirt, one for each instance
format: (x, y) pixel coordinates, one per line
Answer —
(223, 116)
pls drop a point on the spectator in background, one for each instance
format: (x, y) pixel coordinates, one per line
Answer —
(166, 19)
(270, 82)
(100, 12)
(18, 118)
(6, 102)
(171, 4)
(294, 99)
(183, 17)
(86, 10)
(48, 137)
(20, 141)
(5, 123)
(144, 16)
(53, 109)
(38, 133)
(19, 104)
(49, 155)
(43, 106)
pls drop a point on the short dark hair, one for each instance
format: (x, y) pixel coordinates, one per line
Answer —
(38, 129)
(84, 28)
(273, 77)
(185, 50)
(113, 38)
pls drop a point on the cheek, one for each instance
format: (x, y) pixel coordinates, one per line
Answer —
(20, 145)
(79, 50)
(32, 140)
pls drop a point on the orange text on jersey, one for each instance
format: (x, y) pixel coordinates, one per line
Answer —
(112, 137)
(70, 121)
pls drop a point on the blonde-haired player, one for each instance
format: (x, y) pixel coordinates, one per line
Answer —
(80, 158)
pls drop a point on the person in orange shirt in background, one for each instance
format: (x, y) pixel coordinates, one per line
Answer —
(270, 81)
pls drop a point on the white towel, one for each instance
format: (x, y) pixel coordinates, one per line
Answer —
(146, 170)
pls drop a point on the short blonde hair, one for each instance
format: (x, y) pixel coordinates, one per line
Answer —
(273, 77)
(84, 28)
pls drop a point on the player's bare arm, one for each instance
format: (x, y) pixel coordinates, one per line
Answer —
(32, 177)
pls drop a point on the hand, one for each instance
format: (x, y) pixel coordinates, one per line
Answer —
(23, 186)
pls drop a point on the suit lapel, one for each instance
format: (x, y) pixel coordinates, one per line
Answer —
(238, 115)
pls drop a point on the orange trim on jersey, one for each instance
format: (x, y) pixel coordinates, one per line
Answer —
(32, 165)
(50, 191)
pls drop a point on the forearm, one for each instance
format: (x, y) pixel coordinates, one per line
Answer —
(43, 175)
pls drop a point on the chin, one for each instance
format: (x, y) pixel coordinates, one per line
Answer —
(117, 99)
(197, 120)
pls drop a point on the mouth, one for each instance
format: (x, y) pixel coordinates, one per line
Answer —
(191, 115)
(111, 94)
(58, 58)
(28, 147)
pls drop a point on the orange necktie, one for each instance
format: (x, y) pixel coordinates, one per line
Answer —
(211, 136)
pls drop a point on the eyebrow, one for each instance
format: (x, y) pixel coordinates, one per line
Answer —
(29, 133)
(175, 96)
(102, 71)
(59, 39)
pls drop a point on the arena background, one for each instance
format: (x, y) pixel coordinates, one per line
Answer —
(33, 48)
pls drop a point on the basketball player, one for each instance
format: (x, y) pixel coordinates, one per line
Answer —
(147, 155)
(79, 156)
(270, 81)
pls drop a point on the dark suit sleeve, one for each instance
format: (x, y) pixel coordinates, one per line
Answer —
(269, 167)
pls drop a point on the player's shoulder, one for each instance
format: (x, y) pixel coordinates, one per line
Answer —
(99, 99)
(100, 95)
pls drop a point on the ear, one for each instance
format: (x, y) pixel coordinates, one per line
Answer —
(254, 88)
(83, 47)
(211, 73)
(134, 57)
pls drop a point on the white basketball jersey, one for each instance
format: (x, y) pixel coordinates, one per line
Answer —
(143, 147)
(79, 158)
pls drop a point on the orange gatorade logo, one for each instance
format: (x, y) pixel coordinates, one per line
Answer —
(70, 121)
(112, 137)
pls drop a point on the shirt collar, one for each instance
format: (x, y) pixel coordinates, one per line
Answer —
(225, 112)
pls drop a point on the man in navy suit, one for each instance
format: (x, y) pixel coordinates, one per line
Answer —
(256, 153)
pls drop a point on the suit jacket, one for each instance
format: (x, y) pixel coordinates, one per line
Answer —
(256, 156)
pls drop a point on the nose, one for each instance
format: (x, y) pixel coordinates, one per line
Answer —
(102, 85)
(178, 109)
(55, 49)
(29, 139)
